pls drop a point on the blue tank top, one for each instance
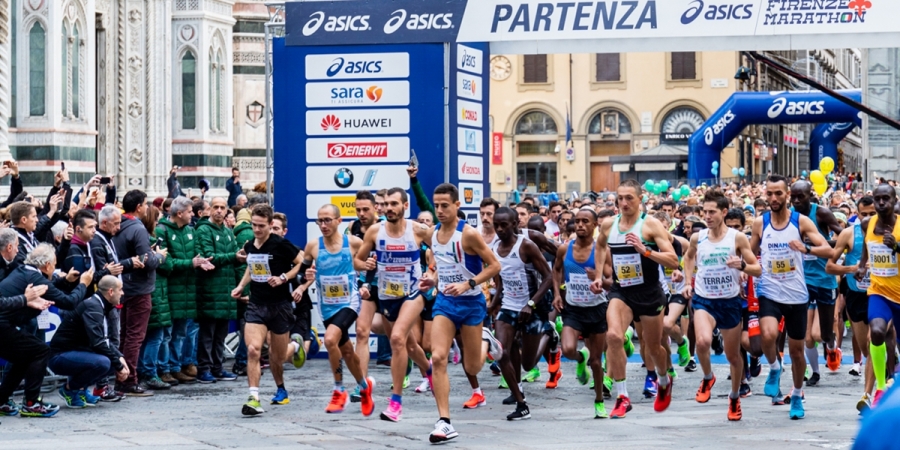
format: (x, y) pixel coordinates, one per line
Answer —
(336, 280)
(813, 266)
(852, 258)
(578, 292)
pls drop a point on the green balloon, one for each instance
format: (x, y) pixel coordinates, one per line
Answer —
(644, 198)
(665, 185)
(676, 195)
(685, 190)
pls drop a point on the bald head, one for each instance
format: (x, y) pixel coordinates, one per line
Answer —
(111, 289)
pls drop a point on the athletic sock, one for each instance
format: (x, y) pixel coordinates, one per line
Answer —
(477, 391)
(446, 419)
(428, 372)
(363, 384)
(775, 365)
(652, 375)
(734, 395)
(812, 356)
(708, 376)
(339, 386)
(254, 392)
(396, 398)
(280, 386)
(663, 381)
(521, 388)
(621, 389)
(878, 353)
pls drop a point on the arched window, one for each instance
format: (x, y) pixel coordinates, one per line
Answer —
(536, 137)
(536, 122)
(610, 123)
(76, 61)
(682, 120)
(188, 91)
(65, 70)
(37, 44)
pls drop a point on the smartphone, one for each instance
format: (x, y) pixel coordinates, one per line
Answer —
(414, 161)
(105, 180)
(63, 166)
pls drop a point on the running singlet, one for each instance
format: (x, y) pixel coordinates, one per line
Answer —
(398, 264)
(631, 270)
(852, 258)
(782, 279)
(813, 266)
(335, 279)
(714, 279)
(513, 277)
(578, 285)
(672, 287)
(452, 262)
(883, 266)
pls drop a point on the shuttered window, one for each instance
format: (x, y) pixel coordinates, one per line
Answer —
(684, 66)
(608, 67)
(535, 70)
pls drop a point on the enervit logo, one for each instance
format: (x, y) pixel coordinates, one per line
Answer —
(343, 178)
(717, 127)
(374, 93)
(335, 23)
(331, 122)
(716, 12)
(353, 67)
(358, 150)
(802, 108)
(417, 21)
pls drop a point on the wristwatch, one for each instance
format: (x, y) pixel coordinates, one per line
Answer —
(283, 277)
(472, 283)
(808, 248)
(743, 265)
(531, 304)
(647, 253)
(366, 285)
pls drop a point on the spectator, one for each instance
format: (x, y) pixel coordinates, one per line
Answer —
(243, 233)
(81, 350)
(153, 366)
(79, 255)
(24, 219)
(229, 219)
(241, 201)
(173, 184)
(9, 248)
(215, 306)
(64, 292)
(552, 223)
(233, 186)
(201, 210)
(132, 241)
(167, 203)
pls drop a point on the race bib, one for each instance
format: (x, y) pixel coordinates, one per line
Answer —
(578, 289)
(882, 260)
(259, 267)
(335, 289)
(782, 265)
(866, 282)
(393, 285)
(628, 269)
(515, 284)
(718, 282)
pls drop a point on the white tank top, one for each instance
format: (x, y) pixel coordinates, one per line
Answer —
(452, 263)
(398, 263)
(714, 278)
(782, 279)
(513, 276)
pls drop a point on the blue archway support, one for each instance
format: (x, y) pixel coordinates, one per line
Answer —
(825, 139)
(766, 108)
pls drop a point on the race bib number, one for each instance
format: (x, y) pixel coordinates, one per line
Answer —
(578, 289)
(335, 289)
(628, 269)
(718, 282)
(514, 284)
(866, 282)
(393, 285)
(782, 264)
(882, 260)
(259, 267)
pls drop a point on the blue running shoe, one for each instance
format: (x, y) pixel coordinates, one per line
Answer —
(797, 412)
(281, 397)
(9, 409)
(773, 381)
(650, 388)
(72, 398)
(206, 377)
(89, 399)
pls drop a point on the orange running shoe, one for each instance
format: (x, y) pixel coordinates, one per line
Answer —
(339, 399)
(877, 397)
(553, 382)
(365, 397)
(734, 409)
(664, 397)
(705, 390)
(553, 364)
(623, 405)
(833, 359)
(475, 401)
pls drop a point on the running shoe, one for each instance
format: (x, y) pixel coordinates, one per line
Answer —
(10, 408)
(591, 384)
(773, 383)
(495, 350)
(495, 369)
(154, 383)
(650, 387)
(808, 373)
(443, 432)
(691, 366)
(745, 390)
(338, 402)
(672, 373)
(454, 353)
(299, 358)
(559, 324)
(623, 406)
(355, 396)
(600, 411)
(734, 409)
(553, 382)
(797, 412)
(553, 364)
(520, 413)
(424, 386)
(38, 408)
(581, 373)
(206, 378)
(607, 386)
(393, 412)
(72, 399)
(717, 345)
(405, 382)
(314, 332)
(684, 352)
(877, 397)
(629, 345)
(856, 370)
(864, 403)
(532, 375)
(252, 407)
(511, 399)
(833, 358)
(224, 375)
(755, 367)
(90, 400)
(705, 390)
(503, 384)
(475, 401)
(281, 397)
(367, 404)
(814, 379)
(664, 398)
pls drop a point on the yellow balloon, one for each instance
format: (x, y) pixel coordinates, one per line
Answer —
(817, 177)
(820, 188)
(826, 165)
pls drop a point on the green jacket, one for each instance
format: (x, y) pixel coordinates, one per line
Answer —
(161, 314)
(243, 232)
(214, 299)
(182, 279)
(422, 198)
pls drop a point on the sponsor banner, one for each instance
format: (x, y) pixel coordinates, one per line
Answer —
(468, 113)
(357, 150)
(350, 178)
(471, 195)
(469, 86)
(469, 59)
(357, 94)
(372, 22)
(357, 121)
(473, 218)
(497, 148)
(471, 168)
(469, 140)
(345, 202)
(357, 66)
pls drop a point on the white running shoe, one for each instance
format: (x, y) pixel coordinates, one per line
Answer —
(443, 432)
(855, 370)
(495, 349)
(424, 386)
(454, 353)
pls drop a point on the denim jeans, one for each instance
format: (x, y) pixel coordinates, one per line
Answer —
(384, 349)
(155, 352)
(83, 368)
(176, 345)
(189, 351)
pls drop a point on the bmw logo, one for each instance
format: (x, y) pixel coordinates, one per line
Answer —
(343, 178)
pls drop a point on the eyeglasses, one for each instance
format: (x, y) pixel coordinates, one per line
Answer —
(325, 221)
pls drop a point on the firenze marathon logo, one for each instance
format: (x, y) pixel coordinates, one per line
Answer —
(358, 150)
(814, 12)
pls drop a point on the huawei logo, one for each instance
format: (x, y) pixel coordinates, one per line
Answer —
(331, 122)
(374, 93)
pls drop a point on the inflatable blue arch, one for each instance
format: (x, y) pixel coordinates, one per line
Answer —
(836, 119)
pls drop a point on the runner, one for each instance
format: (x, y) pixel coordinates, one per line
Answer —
(462, 261)
(882, 236)
(636, 293)
(329, 261)
(850, 245)
(782, 292)
(719, 254)
(751, 348)
(271, 262)
(583, 312)
(396, 243)
(674, 279)
(522, 315)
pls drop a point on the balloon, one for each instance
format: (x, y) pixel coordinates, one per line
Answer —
(817, 177)
(715, 164)
(648, 184)
(676, 195)
(804, 173)
(742, 172)
(685, 190)
(665, 185)
(734, 171)
(644, 198)
(826, 165)
(517, 197)
(820, 188)
(715, 170)
(657, 188)
(554, 197)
